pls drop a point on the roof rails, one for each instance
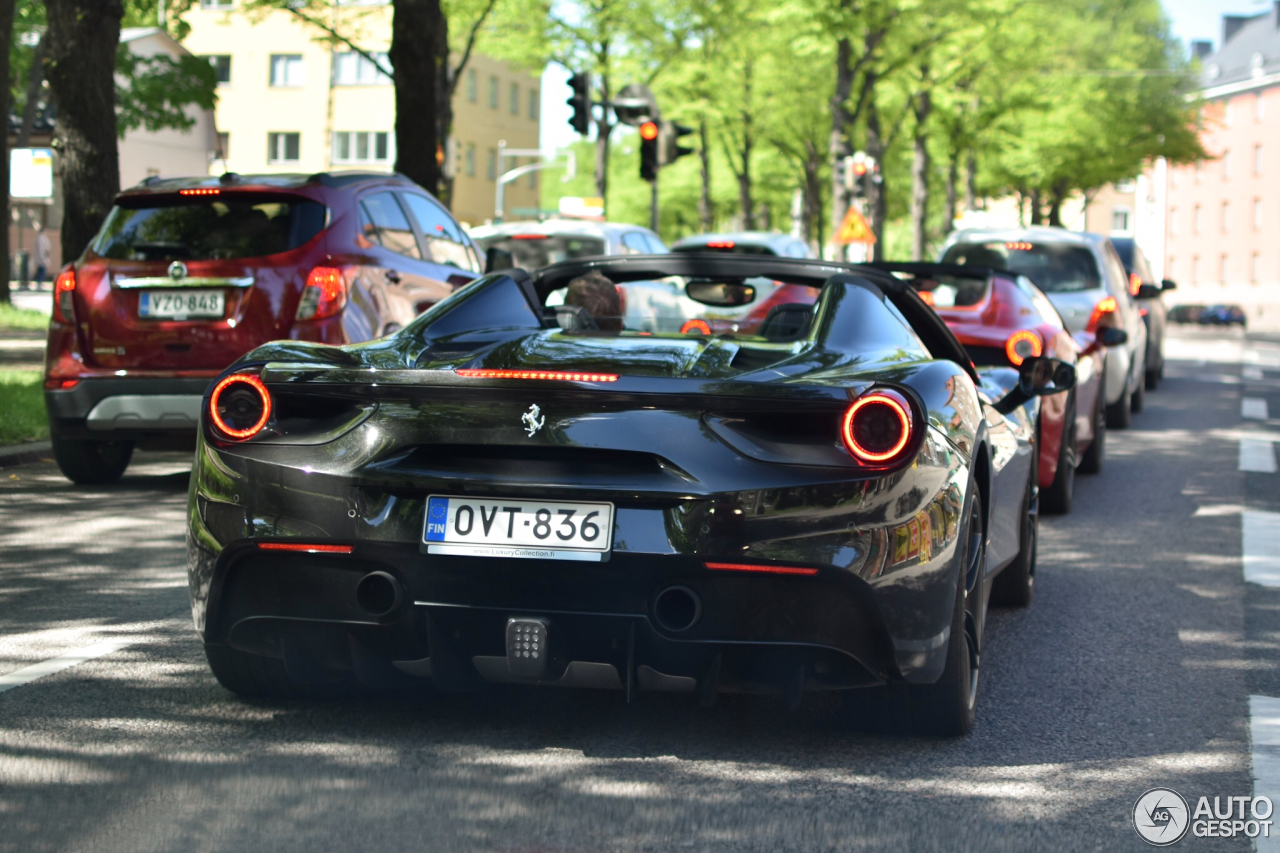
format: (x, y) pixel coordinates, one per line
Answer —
(340, 179)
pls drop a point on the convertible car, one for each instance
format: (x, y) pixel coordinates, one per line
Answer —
(1001, 318)
(505, 491)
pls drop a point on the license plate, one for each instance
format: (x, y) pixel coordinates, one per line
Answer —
(538, 530)
(180, 304)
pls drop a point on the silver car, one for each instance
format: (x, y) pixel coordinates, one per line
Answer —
(1085, 280)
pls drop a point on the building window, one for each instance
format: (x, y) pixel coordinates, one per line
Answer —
(472, 85)
(471, 160)
(1226, 217)
(221, 67)
(1257, 159)
(1226, 165)
(217, 4)
(1254, 263)
(361, 146)
(1195, 219)
(1259, 111)
(222, 146)
(1125, 186)
(1222, 270)
(514, 97)
(286, 69)
(1257, 214)
(491, 166)
(493, 92)
(356, 69)
(1120, 219)
(283, 147)
(533, 104)
(1173, 220)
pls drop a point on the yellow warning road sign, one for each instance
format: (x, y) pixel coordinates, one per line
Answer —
(855, 229)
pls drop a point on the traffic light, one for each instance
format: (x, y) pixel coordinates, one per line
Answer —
(580, 83)
(649, 151)
(861, 173)
(669, 147)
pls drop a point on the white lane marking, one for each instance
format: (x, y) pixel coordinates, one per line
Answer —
(1253, 407)
(1257, 455)
(1251, 372)
(1264, 735)
(1260, 547)
(28, 674)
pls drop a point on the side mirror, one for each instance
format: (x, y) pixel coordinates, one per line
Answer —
(1168, 284)
(1148, 291)
(1038, 377)
(1111, 336)
(497, 259)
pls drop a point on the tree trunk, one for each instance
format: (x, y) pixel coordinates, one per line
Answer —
(444, 109)
(838, 147)
(603, 129)
(746, 201)
(879, 200)
(706, 211)
(415, 25)
(1037, 209)
(34, 78)
(953, 191)
(80, 66)
(971, 181)
(6, 39)
(813, 220)
(920, 176)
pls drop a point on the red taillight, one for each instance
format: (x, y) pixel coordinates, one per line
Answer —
(240, 406)
(1104, 311)
(1135, 283)
(64, 303)
(306, 547)
(200, 191)
(764, 569)
(60, 384)
(720, 244)
(562, 375)
(877, 427)
(1018, 246)
(324, 295)
(701, 327)
(528, 236)
(1022, 345)
(926, 297)
(1142, 311)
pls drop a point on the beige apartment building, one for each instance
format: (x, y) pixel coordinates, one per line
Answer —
(290, 101)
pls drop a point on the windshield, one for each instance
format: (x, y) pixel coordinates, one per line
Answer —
(532, 251)
(760, 307)
(1054, 268)
(200, 229)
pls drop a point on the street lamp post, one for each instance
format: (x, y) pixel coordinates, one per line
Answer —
(504, 178)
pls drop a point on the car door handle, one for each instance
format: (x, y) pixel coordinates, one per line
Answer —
(393, 276)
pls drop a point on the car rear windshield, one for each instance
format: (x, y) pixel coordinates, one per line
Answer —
(952, 291)
(228, 226)
(1124, 248)
(1054, 268)
(538, 250)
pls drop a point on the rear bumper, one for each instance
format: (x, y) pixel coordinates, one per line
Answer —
(127, 407)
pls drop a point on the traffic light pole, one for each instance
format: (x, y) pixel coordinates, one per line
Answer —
(653, 204)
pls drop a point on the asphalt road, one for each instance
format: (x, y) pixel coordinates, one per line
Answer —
(1132, 669)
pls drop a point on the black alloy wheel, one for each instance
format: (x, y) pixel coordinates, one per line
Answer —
(1120, 413)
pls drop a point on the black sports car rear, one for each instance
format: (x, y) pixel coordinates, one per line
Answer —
(502, 492)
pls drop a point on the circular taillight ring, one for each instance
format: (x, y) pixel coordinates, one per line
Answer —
(898, 405)
(695, 327)
(263, 394)
(1023, 344)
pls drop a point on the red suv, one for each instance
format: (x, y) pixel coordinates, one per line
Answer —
(188, 274)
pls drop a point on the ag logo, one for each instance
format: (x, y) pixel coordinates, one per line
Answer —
(1161, 817)
(177, 270)
(532, 419)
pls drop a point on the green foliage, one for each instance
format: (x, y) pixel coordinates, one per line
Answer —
(157, 90)
(22, 318)
(22, 402)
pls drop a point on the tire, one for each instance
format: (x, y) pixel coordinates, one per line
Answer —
(945, 708)
(1120, 413)
(92, 463)
(1014, 586)
(1138, 398)
(1091, 462)
(1056, 499)
(1153, 379)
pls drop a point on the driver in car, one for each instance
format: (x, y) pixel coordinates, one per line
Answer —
(598, 296)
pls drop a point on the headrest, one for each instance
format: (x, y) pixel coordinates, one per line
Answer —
(575, 318)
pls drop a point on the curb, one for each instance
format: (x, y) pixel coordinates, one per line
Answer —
(25, 454)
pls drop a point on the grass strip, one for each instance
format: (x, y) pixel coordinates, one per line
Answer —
(22, 415)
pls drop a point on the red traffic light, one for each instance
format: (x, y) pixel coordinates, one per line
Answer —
(649, 130)
(859, 168)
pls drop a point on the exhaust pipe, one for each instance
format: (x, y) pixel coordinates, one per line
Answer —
(379, 594)
(677, 608)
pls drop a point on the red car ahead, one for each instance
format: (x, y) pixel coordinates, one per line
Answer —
(188, 274)
(1002, 318)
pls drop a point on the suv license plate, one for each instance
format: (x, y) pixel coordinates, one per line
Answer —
(536, 530)
(180, 304)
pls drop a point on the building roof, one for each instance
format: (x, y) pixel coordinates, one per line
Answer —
(1250, 49)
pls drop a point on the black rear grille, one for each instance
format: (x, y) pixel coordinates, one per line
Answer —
(532, 464)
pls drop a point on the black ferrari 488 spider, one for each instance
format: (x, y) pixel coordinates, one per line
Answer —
(698, 473)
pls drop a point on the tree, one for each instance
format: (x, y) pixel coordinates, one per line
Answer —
(6, 35)
(80, 66)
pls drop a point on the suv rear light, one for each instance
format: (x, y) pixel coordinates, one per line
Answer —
(64, 288)
(1104, 314)
(878, 428)
(1135, 283)
(324, 295)
(1023, 344)
(240, 406)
